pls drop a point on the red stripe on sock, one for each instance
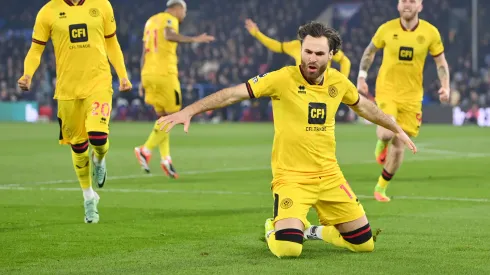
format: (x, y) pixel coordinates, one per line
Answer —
(83, 146)
(386, 174)
(98, 137)
(358, 234)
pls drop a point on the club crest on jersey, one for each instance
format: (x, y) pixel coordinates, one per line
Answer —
(332, 91)
(286, 203)
(405, 53)
(94, 12)
(420, 39)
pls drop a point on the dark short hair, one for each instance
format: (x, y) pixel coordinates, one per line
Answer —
(317, 29)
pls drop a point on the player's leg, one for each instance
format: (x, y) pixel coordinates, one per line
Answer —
(165, 96)
(384, 135)
(72, 131)
(284, 233)
(98, 114)
(342, 218)
(173, 104)
(410, 122)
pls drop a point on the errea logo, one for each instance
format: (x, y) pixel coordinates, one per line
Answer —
(301, 89)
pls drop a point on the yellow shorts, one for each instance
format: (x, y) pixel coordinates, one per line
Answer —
(333, 200)
(408, 116)
(163, 93)
(79, 116)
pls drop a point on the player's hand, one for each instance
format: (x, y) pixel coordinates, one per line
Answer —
(170, 121)
(443, 95)
(125, 85)
(24, 82)
(362, 86)
(406, 139)
(203, 38)
(140, 90)
(251, 26)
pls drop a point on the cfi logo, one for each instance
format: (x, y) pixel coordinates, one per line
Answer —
(332, 91)
(94, 12)
(286, 203)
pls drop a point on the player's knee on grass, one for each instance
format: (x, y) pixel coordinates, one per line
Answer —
(80, 148)
(288, 243)
(360, 240)
(97, 138)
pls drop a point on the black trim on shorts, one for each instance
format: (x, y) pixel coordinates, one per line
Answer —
(276, 205)
(61, 127)
(177, 98)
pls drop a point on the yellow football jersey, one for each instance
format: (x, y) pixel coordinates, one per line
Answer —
(304, 121)
(160, 53)
(404, 52)
(293, 49)
(78, 34)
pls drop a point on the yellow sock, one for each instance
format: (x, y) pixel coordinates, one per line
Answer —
(384, 179)
(101, 150)
(331, 235)
(81, 165)
(284, 248)
(382, 182)
(156, 137)
(165, 146)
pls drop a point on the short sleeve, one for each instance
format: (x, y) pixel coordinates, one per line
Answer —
(351, 96)
(379, 37)
(436, 47)
(42, 27)
(172, 23)
(109, 20)
(264, 85)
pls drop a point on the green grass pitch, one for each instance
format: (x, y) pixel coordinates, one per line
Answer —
(210, 221)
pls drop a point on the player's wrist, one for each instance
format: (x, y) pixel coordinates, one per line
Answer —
(362, 74)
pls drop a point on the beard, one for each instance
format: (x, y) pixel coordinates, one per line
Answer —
(312, 71)
(408, 16)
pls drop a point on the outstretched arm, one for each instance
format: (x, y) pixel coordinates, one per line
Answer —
(217, 100)
(268, 42)
(368, 110)
(171, 35)
(371, 112)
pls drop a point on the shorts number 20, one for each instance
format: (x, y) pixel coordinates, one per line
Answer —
(103, 108)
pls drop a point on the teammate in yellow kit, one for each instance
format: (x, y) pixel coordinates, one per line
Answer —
(293, 48)
(399, 91)
(159, 77)
(305, 171)
(83, 35)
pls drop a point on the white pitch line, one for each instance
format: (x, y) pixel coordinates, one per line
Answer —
(447, 154)
(223, 192)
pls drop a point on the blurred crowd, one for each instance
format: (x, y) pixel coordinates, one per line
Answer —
(236, 56)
